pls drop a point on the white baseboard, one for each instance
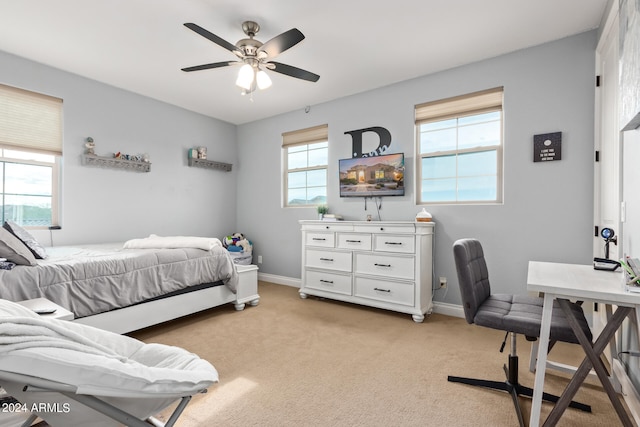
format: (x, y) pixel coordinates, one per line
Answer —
(447, 309)
(279, 280)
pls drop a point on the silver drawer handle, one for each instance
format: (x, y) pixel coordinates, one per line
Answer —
(354, 241)
(319, 238)
(392, 243)
(382, 290)
(326, 281)
(382, 265)
(326, 259)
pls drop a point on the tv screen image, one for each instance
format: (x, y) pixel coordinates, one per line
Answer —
(372, 176)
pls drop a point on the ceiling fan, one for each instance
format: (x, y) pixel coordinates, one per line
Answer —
(255, 56)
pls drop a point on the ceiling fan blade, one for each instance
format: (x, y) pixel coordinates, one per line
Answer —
(293, 71)
(209, 66)
(208, 35)
(279, 44)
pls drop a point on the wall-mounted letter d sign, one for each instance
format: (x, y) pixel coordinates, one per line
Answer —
(356, 138)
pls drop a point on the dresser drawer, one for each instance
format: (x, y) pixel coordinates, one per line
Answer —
(326, 240)
(391, 228)
(340, 261)
(393, 292)
(385, 265)
(328, 226)
(394, 243)
(330, 282)
(360, 242)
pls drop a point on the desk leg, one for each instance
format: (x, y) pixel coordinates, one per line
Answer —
(543, 345)
(593, 352)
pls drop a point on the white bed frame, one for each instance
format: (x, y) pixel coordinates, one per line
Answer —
(151, 313)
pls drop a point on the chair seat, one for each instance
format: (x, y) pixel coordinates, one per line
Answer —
(521, 314)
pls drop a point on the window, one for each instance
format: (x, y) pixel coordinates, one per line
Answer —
(306, 153)
(28, 182)
(30, 152)
(459, 146)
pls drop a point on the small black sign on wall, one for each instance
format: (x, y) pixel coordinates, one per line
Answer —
(547, 147)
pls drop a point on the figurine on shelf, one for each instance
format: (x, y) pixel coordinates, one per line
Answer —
(145, 158)
(90, 145)
(202, 152)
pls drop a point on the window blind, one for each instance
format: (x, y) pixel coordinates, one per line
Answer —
(473, 103)
(30, 121)
(305, 136)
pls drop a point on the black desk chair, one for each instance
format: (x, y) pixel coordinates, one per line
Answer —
(514, 314)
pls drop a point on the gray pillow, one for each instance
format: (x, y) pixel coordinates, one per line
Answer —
(29, 241)
(14, 250)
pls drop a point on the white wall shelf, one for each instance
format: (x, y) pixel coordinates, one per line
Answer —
(210, 164)
(110, 162)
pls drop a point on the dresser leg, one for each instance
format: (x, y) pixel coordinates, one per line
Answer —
(303, 295)
(418, 318)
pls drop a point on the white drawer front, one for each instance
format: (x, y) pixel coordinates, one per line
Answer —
(340, 261)
(330, 282)
(394, 243)
(394, 292)
(388, 266)
(328, 226)
(393, 228)
(360, 242)
(326, 240)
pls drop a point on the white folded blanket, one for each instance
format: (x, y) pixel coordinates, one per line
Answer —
(173, 242)
(20, 333)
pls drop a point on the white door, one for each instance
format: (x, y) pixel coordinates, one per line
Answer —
(608, 170)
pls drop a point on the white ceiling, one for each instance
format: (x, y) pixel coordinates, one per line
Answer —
(354, 45)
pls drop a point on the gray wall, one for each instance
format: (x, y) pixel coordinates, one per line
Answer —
(548, 208)
(107, 205)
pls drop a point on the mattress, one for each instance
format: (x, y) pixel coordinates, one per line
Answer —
(93, 279)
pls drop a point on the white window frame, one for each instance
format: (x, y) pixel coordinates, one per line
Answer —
(55, 168)
(454, 108)
(297, 138)
(32, 122)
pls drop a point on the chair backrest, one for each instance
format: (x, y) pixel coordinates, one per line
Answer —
(473, 276)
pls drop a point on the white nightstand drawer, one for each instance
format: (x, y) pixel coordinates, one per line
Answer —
(331, 282)
(340, 261)
(394, 243)
(394, 292)
(360, 242)
(326, 240)
(384, 265)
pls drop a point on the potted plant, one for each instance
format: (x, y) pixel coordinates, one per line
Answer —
(322, 209)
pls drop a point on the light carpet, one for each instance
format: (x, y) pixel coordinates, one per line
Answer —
(316, 362)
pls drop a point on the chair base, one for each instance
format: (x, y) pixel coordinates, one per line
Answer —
(511, 386)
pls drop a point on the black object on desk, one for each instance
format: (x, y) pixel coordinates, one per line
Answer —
(605, 264)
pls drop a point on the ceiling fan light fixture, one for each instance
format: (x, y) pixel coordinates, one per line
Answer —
(263, 80)
(245, 77)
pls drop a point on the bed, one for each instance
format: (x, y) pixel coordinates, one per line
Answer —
(122, 288)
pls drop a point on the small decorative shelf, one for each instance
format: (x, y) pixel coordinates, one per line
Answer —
(209, 164)
(110, 162)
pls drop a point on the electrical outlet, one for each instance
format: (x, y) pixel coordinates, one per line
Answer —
(443, 282)
(259, 259)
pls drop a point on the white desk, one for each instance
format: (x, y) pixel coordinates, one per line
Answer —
(562, 282)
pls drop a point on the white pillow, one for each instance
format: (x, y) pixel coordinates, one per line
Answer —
(14, 250)
(30, 242)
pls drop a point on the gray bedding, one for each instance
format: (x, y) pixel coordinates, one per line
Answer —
(96, 278)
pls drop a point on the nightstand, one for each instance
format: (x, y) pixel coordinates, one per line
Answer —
(37, 304)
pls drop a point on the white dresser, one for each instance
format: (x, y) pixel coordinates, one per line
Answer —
(383, 264)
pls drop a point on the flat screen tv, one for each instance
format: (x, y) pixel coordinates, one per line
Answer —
(372, 176)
